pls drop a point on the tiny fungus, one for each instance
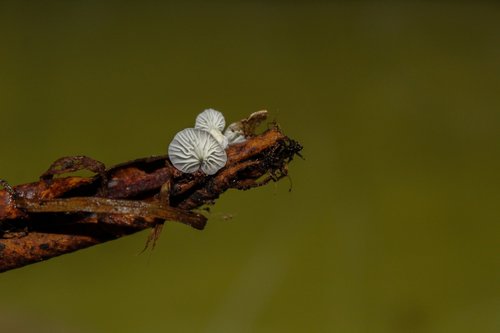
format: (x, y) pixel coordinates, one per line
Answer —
(234, 134)
(203, 147)
(193, 149)
(213, 122)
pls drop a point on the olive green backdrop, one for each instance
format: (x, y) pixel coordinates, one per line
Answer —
(393, 221)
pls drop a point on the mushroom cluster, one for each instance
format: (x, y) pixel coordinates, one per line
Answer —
(204, 146)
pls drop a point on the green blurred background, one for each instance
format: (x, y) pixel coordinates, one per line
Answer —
(393, 221)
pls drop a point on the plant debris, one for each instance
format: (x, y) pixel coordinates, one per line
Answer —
(55, 216)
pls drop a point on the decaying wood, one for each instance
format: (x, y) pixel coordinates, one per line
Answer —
(45, 219)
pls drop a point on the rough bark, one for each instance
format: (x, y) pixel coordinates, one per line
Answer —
(35, 225)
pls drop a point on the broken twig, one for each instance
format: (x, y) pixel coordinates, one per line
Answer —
(55, 216)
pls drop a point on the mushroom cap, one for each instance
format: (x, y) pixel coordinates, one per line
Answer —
(193, 149)
(210, 119)
(234, 134)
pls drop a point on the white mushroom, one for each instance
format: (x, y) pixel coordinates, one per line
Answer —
(210, 119)
(239, 131)
(194, 149)
(213, 122)
(234, 133)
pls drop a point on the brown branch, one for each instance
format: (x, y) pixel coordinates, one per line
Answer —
(51, 217)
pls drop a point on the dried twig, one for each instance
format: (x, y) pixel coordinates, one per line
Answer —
(51, 217)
